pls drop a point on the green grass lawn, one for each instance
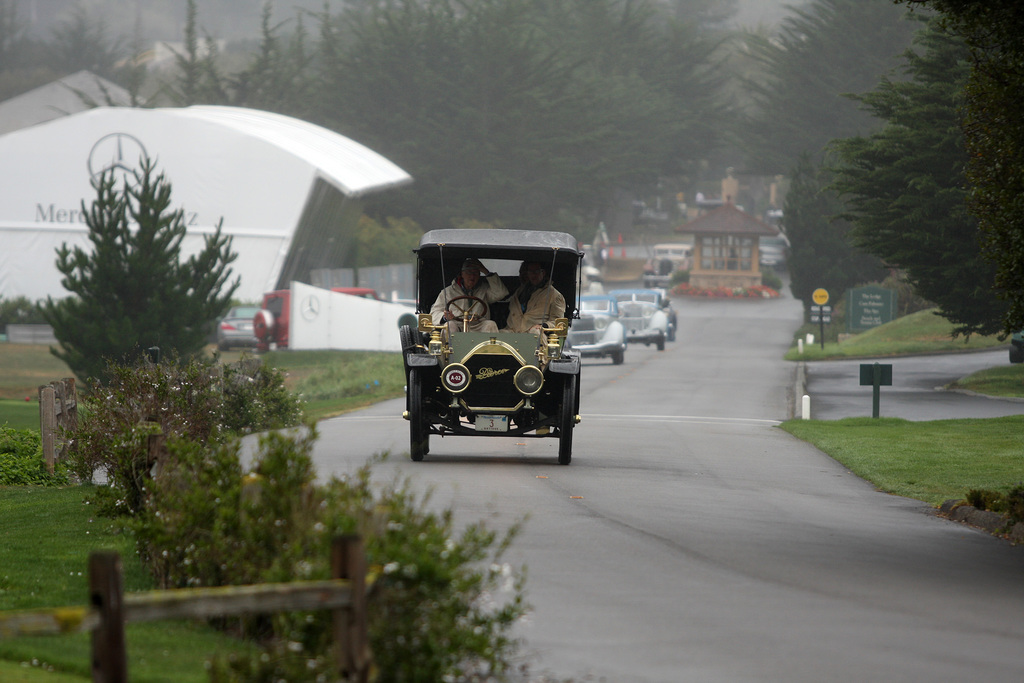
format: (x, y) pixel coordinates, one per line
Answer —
(48, 534)
(1004, 380)
(917, 333)
(930, 461)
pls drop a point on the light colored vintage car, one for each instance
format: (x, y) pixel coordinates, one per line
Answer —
(598, 332)
(640, 312)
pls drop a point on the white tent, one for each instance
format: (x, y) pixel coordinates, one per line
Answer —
(288, 191)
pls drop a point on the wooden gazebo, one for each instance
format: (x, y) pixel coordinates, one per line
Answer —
(725, 248)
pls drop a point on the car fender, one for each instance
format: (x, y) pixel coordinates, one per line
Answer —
(659, 321)
(615, 332)
(420, 360)
(567, 365)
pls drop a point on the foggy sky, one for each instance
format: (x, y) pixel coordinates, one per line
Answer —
(234, 19)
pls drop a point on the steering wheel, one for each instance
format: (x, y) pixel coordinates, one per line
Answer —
(465, 311)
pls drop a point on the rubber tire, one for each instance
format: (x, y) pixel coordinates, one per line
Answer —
(407, 338)
(567, 419)
(661, 342)
(419, 436)
(1016, 354)
(618, 356)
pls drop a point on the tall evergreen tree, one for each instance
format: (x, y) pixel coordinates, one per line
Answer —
(516, 112)
(132, 292)
(994, 132)
(825, 50)
(906, 185)
(822, 254)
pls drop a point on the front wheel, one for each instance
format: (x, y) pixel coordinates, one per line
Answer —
(618, 356)
(661, 342)
(567, 420)
(419, 436)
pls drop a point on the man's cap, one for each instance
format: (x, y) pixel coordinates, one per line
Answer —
(472, 263)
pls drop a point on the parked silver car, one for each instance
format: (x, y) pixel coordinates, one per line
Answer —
(235, 328)
(645, 321)
(598, 332)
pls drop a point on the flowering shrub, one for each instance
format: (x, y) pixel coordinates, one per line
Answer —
(176, 399)
(443, 604)
(755, 292)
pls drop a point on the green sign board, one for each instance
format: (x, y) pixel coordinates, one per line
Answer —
(869, 307)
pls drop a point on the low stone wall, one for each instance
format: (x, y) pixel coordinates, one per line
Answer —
(992, 522)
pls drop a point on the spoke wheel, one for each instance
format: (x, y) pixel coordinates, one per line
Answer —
(419, 436)
(567, 420)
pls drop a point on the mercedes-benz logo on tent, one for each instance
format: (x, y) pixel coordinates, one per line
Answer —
(117, 151)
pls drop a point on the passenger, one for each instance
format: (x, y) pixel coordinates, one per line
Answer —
(535, 302)
(469, 282)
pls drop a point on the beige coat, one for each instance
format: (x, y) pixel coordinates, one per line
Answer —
(545, 305)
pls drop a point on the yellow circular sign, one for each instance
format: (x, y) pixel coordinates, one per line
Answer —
(820, 296)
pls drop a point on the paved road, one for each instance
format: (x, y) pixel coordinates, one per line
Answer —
(693, 540)
(917, 388)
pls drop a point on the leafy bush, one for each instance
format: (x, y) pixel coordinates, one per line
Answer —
(175, 399)
(442, 608)
(679, 277)
(1015, 503)
(255, 399)
(1011, 504)
(983, 499)
(21, 460)
(769, 278)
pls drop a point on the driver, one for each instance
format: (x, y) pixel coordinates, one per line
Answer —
(488, 288)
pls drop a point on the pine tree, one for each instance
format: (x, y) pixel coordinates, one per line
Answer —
(822, 254)
(132, 292)
(906, 186)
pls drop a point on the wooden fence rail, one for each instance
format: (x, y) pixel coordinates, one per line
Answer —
(110, 609)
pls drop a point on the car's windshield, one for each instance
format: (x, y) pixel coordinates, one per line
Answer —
(651, 297)
(597, 305)
(242, 312)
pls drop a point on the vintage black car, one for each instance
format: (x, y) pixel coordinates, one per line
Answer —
(491, 384)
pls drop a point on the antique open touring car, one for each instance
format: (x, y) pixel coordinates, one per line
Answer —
(490, 383)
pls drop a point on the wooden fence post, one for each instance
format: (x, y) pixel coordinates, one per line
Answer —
(58, 412)
(48, 424)
(350, 624)
(106, 595)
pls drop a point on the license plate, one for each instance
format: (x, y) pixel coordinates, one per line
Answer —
(492, 423)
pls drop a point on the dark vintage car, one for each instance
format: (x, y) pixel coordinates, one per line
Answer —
(598, 332)
(491, 384)
(1017, 347)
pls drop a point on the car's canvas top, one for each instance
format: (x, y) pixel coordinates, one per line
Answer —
(481, 241)
(441, 252)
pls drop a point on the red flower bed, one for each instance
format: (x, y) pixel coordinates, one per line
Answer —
(757, 292)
